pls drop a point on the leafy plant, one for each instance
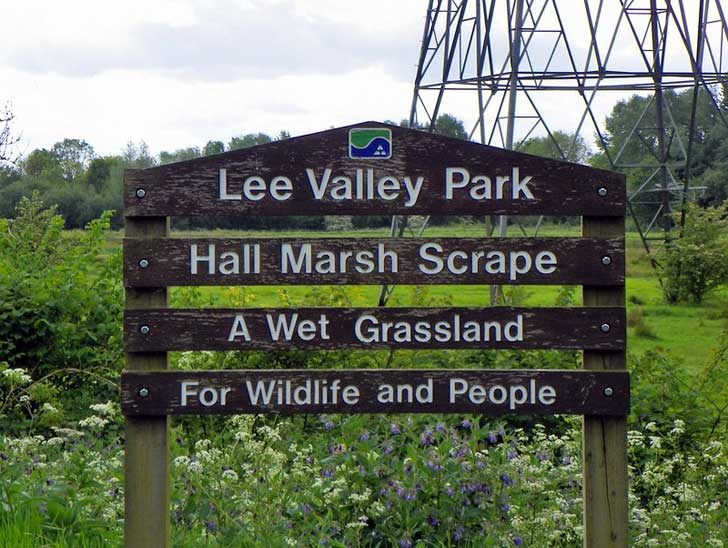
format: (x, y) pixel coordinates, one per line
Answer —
(696, 262)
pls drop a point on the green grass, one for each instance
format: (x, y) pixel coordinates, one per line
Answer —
(688, 332)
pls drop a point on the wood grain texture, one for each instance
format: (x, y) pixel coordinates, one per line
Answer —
(335, 328)
(606, 509)
(579, 260)
(191, 188)
(146, 447)
(575, 392)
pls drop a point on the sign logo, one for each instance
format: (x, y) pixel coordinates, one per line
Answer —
(370, 143)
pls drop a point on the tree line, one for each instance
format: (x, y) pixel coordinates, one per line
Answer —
(82, 184)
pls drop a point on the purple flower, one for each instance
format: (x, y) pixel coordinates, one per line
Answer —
(517, 540)
(566, 461)
(327, 473)
(394, 429)
(506, 479)
(450, 491)
(427, 438)
(505, 507)
(406, 542)
(364, 436)
(211, 526)
(3, 456)
(466, 424)
(306, 508)
(440, 427)
(433, 521)
(387, 449)
(328, 425)
(434, 466)
(492, 438)
(458, 534)
(512, 454)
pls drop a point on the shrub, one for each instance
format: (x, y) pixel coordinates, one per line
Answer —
(697, 262)
(61, 304)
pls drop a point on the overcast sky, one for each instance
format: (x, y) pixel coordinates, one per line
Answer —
(177, 73)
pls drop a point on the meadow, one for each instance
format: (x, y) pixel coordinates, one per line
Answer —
(407, 481)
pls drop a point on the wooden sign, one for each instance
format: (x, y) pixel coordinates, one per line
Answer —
(405, 328)
(362, 261)
(374, 169)
(417, 173)
(492, 392)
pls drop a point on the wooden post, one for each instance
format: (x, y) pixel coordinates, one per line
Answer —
(146, 465)
(605, 438)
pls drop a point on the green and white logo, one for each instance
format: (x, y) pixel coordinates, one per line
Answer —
(370, 143)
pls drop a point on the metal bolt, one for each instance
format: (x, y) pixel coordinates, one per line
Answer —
(605, 327)
(143, 263)
(144, 330)
(608, 392)
(140, 193)
(144, 392)
(606, 260)
(602, 191)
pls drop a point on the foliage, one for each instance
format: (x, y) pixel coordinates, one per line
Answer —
(559, 145)
(696, 262)
(60, 313)
(7, 138)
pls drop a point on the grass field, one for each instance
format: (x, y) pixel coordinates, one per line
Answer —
(688, 332)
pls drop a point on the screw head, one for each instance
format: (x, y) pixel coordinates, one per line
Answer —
(140, 193)
(606, 260)
(602, 191)
(609, 392)
(605, 328)
(143, 263)
(144, 392)
(144, 330)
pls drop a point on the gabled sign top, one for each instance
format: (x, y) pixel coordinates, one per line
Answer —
(373, 168)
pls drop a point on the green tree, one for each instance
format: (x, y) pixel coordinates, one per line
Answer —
(213, 147)
(98, 173)
(248, 140)
(74, 157)
(561, 145)
(40, 162)
(137, 156)
(179, 155)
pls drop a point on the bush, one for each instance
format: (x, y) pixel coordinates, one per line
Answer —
(61, 304)
(697, 262)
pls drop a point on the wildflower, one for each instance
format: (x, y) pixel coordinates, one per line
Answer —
(512, 454)
(387, 449)
(364, 436)
(506, 479)
(458, 534)
(211, 526)
(466, 424)
(505, 507)
(3, 456)
(492, 438)
(328, 425)
(517, 540)
(327, 473)
(395, 430)
(434, 466)
(427, 438)
(406, 542)
(440, 427)
(566, 461)
(433, 521)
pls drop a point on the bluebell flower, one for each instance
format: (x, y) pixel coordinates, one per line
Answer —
(434, 466)
(433, 521)
(427, 438)
(327, 472)
(466, 424)
(387, 449)
(506, 479)
(517, 540)
(328, 425)
(394, 429)
(492, 438)
(211, 526)
(406, 542)
(458, 534)
(505, 507)
(440, 427)
(364, 436)
(512, 454)
(306, 508)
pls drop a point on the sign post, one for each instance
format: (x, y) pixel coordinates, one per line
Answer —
(374, 169)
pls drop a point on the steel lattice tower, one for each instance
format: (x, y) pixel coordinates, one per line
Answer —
(509, 67)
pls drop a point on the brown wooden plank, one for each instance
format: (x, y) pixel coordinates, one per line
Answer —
(192, 188)
(374, 328)
(491, 392)
(605, 492)
(372, 261)
(146, 447)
